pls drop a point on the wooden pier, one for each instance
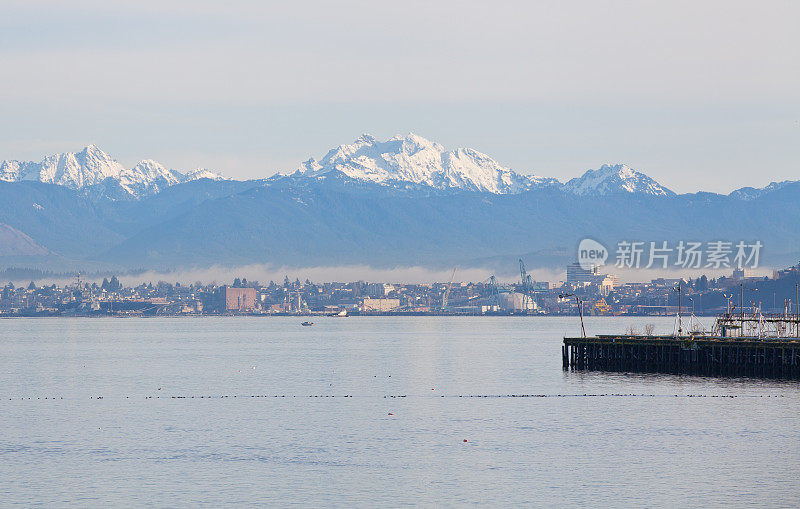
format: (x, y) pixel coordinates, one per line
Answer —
(695, 355)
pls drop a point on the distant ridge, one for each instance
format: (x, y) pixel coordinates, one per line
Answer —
(609, 179)
(15, 243)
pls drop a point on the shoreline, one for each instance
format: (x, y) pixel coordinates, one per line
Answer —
(312, 315)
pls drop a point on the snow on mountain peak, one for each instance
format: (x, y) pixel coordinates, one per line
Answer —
(413, 159)
(396, 162)
(151, 168)
(93, 150)
(91, 168)
(148, 177)
(88, 167)
(751, 193)
(11, 170)
(366, 138)
(202, 173)
(609, 179)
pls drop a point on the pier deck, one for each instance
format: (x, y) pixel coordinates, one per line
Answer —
(697, 355)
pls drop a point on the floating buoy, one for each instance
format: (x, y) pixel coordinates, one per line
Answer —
(465, 440)
(390, 413)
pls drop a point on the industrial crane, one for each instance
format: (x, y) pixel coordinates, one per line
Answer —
(446, 296)
(494, 293)
(527, 284)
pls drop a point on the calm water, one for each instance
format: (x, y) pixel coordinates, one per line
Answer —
(140, 446)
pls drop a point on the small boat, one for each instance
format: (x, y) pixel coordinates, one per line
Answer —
(307, 324)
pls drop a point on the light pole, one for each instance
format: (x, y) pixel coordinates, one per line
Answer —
(741, 305)
(741, 309)
(680, 321)
(579, 302)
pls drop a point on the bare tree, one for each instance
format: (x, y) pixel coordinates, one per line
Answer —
(649, 328)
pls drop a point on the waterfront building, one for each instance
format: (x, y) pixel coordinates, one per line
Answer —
(515, 301)
(577, 274)
(237, 299)
(379, 305)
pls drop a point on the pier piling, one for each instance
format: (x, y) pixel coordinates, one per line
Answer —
(705, 355)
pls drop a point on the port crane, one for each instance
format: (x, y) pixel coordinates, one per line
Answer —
(494, 292)
(527, 285)
(446, 296)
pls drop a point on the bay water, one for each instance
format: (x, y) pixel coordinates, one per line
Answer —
(374, 411)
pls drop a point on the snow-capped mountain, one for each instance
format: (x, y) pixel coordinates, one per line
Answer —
(388, 217)
(93, 170)
(414, 159)
(201, 173)
(751, 193)
(611, 179)
(148, 177)
(88, 167)
(407, 162)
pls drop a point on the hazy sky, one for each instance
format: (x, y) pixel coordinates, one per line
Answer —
(696, 94)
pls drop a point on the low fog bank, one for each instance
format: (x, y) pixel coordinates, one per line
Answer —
(263, 273)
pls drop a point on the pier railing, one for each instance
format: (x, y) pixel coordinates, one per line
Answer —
(758, 325)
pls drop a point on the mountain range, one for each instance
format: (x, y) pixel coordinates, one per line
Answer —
(94, 172)
(413, 161)
(400, 202)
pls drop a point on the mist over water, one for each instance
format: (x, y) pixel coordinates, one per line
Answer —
(373, 411)
(263, 273)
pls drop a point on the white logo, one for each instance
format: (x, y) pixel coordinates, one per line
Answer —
(591, 254)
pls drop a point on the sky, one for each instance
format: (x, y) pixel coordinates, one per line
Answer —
(698, 95)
